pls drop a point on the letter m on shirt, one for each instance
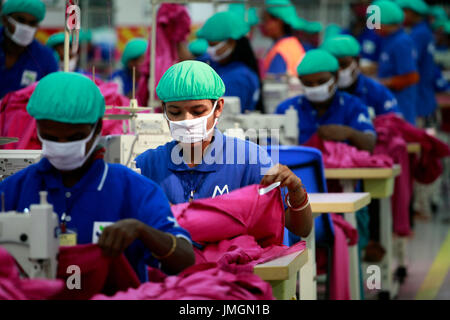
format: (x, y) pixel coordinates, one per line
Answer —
(221, 191)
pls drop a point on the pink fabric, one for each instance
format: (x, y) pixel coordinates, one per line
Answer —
(99, 274)
(206, 281)
(429, 166)
(341, 155)
(12, 287)
(16, 122)
(173, 27)
(243, 212)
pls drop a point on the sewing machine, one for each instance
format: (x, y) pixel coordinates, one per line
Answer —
(12, 161)
(150, 131)
(31, 238)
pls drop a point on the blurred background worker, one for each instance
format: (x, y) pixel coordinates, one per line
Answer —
(416, 12)
(198, 49)
(23, 60)
(233, 59)
(397, 66)
(249, 15)
(308, 33)
(278, 21)
(132, 57)
(375, 96)
(332, 114)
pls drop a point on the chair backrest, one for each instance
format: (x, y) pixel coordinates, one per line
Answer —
(307, 164)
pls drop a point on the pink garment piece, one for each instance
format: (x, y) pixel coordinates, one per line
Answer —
(12, 287)
(342, 155)
(243, 211)
(206, 281)
(16, 122)
(429, 166)
(99, 274)
(172, 27)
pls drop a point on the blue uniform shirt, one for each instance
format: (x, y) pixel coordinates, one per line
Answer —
(124, 79)
(423, 39)
(345, 110)
(243, 163)
(376, 96)
(106, 193)
(240, 81)
(370, 45)
(398, 57)
(36, 62)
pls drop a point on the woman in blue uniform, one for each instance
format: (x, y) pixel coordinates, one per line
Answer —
(132, 57)
(233, 59)
(23, 60)
(397, 66)
(83, 188)
(201, 162)
(332, 114)
(375, 96)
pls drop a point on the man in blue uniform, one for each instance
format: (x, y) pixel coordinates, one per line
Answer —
(416, 12)
(88, 194)
(333, 114)
(201, 162)
(375, 96)
(397, 67)
(23, 60)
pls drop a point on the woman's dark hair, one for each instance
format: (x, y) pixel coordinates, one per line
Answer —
(244, 53)
(287, 29)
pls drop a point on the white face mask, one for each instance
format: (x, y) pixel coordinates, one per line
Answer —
(67, 156)
(212, 51)
(72, 64)
(191, 131)
(23, 34)
(320, 93)
(348, 76)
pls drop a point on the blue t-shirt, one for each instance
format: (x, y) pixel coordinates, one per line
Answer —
(399, 57)
(240, 81)
(345, 110)
(376, 96)
(243, 163)
(124, 79)
(370, 45)
(34, 63)
(423, 39)
(106, 193)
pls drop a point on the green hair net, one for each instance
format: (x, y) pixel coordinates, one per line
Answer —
(342, 46)
(56, 39)
(317, 60)
(300, 24)
(438, 13)
(223, 26)
(313, 27)
(284, 10)
(418, 6)
(332, 30)
(85, 36)
(66, 97)
(239, 9)
(34, 7)
(134, 49)
(198, 47)
(190, 80)
(390, 12)
(447, 27)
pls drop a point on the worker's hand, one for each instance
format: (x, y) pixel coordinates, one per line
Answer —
(334, 132)
(118, 236)
(284, 175)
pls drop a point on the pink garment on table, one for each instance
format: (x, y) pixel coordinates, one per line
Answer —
(172, 27)
(396, 147)
(344, 236)
(429, 166)
(342, 155)
(16, 122)
(99, 274)
(206, 281)
(12, 287)
(243, 212)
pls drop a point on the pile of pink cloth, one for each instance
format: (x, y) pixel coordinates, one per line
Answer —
(342, 155)
(16, 122)
(172, 27)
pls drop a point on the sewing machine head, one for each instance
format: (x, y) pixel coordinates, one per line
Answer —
(32, 238)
